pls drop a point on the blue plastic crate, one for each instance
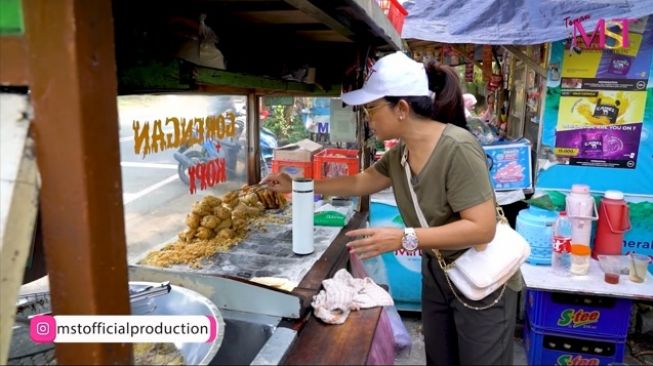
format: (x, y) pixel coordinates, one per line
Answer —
(593, 316)
(536, 226)
(550, 348)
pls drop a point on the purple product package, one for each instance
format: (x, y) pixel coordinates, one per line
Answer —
(592, 145)
(619, 65)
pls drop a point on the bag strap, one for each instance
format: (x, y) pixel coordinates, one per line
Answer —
(441, 262)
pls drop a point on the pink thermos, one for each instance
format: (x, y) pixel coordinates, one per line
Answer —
(614, 221)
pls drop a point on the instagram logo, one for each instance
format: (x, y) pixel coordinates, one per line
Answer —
(43, 329)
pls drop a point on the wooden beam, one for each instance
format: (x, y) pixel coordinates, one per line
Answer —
(462, 53)
(526, 59)
(276, 17)
(13, 61)
(313, 11)
(209, 76)
(73, 89)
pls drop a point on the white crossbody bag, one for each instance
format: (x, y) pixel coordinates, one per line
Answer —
(478, 273)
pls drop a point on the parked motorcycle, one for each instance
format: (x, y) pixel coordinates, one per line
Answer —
(229, 149)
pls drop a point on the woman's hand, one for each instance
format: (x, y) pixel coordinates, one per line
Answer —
(375, 241)
(278, 182)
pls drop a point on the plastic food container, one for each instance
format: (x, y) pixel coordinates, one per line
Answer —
(580, 259)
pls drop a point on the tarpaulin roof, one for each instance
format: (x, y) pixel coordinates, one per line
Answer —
(510, 21)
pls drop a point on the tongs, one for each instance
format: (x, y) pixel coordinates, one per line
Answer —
(147, 292)
(151, 291)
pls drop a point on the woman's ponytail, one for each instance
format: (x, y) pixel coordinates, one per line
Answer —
(448, 104)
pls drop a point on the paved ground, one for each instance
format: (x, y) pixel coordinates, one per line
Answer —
(413, 324)
(412, 321)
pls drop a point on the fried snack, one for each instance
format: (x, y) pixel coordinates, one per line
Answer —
(225, 224)
(157, 354)
(193, 220)
(215, 224)
(210, 221)
(201, 209)
(264, 196)
(222, 212)
(242, 210)
(226, 234)
(231, 204)
(250, 198)
(187, 235)
(230, 196)
(211, 200)
(204, 233)
(239, 224)
(190, 253)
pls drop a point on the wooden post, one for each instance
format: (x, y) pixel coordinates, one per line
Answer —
(253, 139)
(72, 73)
(13, 61)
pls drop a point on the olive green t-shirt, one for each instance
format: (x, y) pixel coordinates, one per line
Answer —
(455, 177)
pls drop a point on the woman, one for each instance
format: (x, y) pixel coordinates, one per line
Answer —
(424, 109)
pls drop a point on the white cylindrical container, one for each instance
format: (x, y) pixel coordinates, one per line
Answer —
(302, 216)
(581, 210)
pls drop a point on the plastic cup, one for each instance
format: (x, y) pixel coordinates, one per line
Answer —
(611, 278)
(611, 265)
(638, 267)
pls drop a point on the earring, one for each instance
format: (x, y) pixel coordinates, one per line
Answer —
(401, 118)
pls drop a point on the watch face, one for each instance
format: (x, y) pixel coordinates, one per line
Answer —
(409, 240)
(410, 245)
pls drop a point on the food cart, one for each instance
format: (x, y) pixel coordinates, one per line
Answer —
(75, 57)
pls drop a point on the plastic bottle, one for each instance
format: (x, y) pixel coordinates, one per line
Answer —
(302, 216)
(561, 254)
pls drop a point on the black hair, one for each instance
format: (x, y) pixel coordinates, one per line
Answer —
(448, 105)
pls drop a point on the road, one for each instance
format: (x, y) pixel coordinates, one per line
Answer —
(155, 200)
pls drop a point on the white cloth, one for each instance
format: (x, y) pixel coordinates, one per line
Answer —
(344, 293)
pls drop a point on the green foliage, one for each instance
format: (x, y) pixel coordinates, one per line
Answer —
(288, 129)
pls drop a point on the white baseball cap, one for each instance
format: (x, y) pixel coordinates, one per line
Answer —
(394, 75)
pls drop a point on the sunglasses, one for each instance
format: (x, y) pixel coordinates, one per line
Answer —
(369, 110)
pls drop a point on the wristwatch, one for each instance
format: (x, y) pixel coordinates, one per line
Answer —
(409, 240)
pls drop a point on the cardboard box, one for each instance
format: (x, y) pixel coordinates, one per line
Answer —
(299, 151)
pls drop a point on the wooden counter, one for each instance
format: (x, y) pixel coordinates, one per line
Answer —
(350, 343)
(318, 343)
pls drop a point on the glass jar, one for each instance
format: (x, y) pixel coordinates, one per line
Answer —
(580, 259)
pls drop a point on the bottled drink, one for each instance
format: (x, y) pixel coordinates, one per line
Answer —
(561, 254)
